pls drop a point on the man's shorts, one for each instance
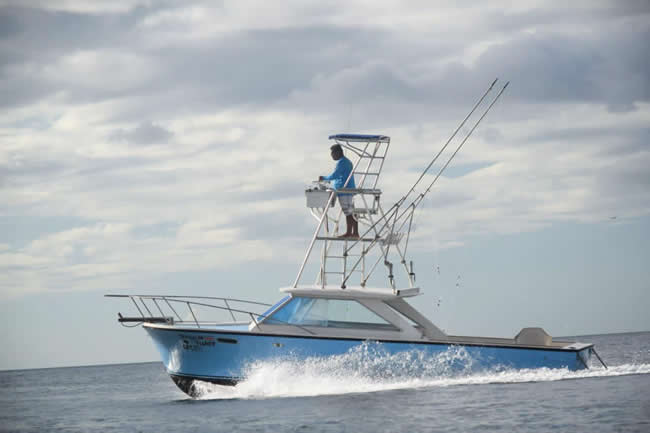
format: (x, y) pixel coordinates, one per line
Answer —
(347, 203)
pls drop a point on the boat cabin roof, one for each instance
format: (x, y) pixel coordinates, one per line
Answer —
(352, 312)
(351, 292)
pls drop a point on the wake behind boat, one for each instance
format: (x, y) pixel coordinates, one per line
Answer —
(339, 311)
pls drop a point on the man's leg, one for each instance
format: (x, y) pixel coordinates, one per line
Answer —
(347, 205)
(349, 222)
(352, 229)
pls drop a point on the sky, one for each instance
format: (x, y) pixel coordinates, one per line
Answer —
(163, 147)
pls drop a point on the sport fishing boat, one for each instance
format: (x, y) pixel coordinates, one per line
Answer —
(340, 310)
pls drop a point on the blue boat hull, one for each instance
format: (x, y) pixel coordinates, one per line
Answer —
(222, 357)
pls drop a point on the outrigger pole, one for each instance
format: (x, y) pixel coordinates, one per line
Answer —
(393, 211)
(419, 199)
(435, 158)
(390, 213)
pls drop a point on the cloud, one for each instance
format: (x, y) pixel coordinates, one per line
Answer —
(77, 6)
(179, 136)
(328, 60)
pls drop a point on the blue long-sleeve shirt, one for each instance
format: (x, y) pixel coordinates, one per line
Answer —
(340, 174)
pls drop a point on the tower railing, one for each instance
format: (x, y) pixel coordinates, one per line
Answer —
(345, 257)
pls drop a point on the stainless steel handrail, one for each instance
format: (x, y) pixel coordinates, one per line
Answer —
(189, 301)
(183, 300)
(187, 297)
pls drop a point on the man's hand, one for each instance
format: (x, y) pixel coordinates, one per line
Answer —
(320, 178)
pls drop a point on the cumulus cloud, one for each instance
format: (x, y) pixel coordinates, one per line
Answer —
(179, 135)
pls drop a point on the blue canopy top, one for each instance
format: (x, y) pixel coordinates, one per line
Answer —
(359, 137)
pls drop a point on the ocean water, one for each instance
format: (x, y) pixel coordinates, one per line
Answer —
(344, 394)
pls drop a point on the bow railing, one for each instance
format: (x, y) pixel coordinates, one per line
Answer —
(189, 310)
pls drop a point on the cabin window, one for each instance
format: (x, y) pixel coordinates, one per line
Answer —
(399, 313)
(330, 313)
(270, 310)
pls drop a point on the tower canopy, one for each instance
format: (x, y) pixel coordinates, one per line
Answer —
(360, 137)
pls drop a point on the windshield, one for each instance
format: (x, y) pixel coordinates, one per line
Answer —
(330, 313)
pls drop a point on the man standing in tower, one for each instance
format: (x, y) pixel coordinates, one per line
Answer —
(339, 176)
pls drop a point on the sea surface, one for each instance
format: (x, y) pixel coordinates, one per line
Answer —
(339, 396)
